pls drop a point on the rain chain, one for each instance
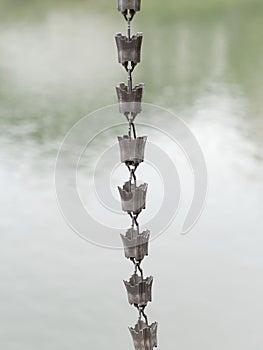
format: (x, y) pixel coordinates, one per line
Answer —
(133, 197)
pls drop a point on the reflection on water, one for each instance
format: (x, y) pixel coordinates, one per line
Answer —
(57, 70)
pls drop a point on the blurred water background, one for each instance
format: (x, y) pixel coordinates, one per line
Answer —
(201, 59)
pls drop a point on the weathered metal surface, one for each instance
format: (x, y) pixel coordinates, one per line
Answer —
(124, 5)
(133, 198)
(139, 290)
(128, 8)
(129, 49)
(132, 150)
(144, 336)
(135, 244)
(130, 100)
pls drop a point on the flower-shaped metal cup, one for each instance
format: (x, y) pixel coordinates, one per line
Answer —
(125, 5)
(130, 101)
(129, 50)
(135, 244)
(132, 150)
(133, 198)
(144, 336)
(139, 290)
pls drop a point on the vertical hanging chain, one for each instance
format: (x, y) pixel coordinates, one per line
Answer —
(133, 197)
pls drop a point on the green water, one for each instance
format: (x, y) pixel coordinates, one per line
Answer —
(202, 60)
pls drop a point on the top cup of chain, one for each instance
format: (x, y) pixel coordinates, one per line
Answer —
(128, 8)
